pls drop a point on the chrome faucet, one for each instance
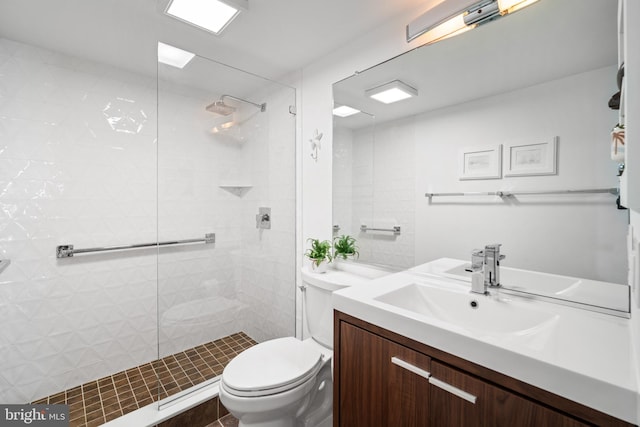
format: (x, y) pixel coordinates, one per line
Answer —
(487, 261)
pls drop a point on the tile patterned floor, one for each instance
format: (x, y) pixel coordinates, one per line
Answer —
(97, 402)
(226, 421)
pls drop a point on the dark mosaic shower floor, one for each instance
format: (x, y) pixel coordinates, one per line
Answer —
(97, 402)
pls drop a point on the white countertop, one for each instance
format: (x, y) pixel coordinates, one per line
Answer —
(586, 356)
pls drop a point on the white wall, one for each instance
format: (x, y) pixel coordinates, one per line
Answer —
(342, 177)
(383, 193)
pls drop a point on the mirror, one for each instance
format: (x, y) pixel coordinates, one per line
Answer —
(518, 106)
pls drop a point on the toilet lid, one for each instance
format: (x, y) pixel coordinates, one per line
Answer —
(271, 367)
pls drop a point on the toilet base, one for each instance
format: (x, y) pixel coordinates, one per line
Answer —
(274, 423)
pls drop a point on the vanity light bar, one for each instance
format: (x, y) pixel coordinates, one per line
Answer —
(452, 17)
(482, 13)
(442, 13)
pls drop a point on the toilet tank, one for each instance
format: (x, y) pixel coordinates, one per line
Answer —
(317, 297)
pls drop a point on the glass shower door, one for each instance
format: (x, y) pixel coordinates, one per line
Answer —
(226, 169)
(77, 171)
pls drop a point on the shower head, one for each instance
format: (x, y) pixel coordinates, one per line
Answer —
(219, 107)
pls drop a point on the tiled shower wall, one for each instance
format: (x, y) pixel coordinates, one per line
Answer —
(266, 261)
(79, 165)
(373, 185)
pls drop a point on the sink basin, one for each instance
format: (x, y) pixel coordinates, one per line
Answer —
(549, 284)
(610, 298)
(481, 314)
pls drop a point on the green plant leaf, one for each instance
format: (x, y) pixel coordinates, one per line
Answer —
(319, 251)
(344, 247)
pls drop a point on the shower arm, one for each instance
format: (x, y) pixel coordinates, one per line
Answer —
(262, 106)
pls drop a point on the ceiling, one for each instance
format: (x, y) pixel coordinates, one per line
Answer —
(547, 41)
(272, 39)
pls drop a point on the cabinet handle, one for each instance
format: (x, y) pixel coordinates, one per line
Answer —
(453, 390)
(409, 367)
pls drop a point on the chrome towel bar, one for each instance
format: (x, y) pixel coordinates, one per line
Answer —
(613, 191)
(395, 230)
(66, 251)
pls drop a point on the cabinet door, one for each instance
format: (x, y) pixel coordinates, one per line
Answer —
(373, 389)
(493, 407)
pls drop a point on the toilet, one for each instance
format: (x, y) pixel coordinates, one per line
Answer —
(287, 382)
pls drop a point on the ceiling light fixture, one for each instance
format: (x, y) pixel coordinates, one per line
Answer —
(393, 91)
(344, 111)
(453, 17)
(209, 15)
(173, 56)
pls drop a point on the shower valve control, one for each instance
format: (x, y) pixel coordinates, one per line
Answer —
(263, 218)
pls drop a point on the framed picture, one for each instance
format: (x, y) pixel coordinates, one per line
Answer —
(481, 163)
(535, 158)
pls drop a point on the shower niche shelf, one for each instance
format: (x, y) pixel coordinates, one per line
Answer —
(236, 189)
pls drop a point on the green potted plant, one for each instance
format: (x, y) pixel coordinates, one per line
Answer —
(319, 254)
(345, 247)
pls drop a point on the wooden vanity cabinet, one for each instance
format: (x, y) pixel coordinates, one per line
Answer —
(382, 379)
(494, 406)
(373, 390)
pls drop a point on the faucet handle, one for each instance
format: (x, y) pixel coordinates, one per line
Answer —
(477, 252)
(477, 260)
(493, 247)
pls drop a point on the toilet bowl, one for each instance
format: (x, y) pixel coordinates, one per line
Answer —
(283, 382)
(287, 382)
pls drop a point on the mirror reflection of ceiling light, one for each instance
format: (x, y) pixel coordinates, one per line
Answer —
(392, 92)
(452, 17)
(209, 15)
(173, 56)
(344, 111)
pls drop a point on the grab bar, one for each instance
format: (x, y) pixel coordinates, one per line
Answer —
(395, 230)
(613, 191)
(66, 251)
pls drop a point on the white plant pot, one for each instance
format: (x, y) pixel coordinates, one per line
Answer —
(319, 268)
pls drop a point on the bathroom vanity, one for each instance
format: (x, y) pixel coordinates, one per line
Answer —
(412, 350)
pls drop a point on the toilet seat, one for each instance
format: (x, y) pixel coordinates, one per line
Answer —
(271, 367)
